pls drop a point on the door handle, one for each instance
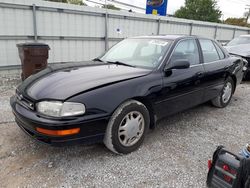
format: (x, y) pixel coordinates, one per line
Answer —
(200, 74)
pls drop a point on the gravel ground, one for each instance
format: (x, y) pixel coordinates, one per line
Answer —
(175, 154)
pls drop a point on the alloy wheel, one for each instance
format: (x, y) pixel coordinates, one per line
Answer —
(227, 92)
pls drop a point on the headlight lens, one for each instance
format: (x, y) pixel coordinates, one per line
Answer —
(60, 109)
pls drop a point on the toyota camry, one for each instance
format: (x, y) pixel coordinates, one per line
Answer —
(117, 97)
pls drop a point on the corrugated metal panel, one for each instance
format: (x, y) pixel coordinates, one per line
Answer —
(65, 24)
(86, 28)
(112, 43)
(129, 28)
(66, 50)
(224, 34)
(171, 28)
(241, 32)
(15, 22)
(203, 31)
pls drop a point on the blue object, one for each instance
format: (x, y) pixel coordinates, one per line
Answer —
(245, 152)
(157, 7)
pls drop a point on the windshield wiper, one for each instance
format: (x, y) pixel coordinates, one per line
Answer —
(98, 59)
(120, 63)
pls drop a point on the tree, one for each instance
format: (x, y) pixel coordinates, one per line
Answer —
(75, 2)
(203, 10)
(247, 15)
(237, 21)
(110, 6)
(59, 1)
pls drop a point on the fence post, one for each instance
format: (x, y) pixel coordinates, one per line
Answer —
(191, 29)
(234, 33)
(215, 32)
(34, 21)
(106, 30)
(158, 26)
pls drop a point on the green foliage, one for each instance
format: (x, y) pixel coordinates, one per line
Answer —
(203, 10)
(110, 6)
(237, 21)
(59, 1)
(75, 2)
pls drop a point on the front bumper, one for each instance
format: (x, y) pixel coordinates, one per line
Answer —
(91, 130)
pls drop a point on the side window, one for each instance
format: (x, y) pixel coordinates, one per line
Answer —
(220, 52)
(186, 49)
(209, 51)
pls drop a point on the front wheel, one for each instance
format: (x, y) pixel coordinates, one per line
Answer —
(127, 127)
(226, 94)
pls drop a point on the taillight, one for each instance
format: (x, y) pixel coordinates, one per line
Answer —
(209, 164)
(227, 178)
(226, 168)
(231, 171)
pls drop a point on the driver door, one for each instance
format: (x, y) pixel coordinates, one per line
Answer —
(182, 88)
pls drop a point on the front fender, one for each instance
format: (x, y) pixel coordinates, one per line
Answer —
(103, 101)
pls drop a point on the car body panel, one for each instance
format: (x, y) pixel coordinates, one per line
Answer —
(241, 50)
(91, 130)
(80, 79)
(181, 90)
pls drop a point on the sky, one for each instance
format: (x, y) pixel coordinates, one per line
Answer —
(229, 8)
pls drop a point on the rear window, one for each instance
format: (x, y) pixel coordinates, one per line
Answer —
(209, 51)
(239, 40)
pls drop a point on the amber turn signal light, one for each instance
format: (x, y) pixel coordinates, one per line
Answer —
(58, 132)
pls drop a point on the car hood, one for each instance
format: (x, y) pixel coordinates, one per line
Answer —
(241, 50)
(63, 82)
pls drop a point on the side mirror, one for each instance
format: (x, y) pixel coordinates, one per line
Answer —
(178, 64)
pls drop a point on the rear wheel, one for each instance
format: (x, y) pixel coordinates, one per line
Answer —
(127, 127)
(226, 94)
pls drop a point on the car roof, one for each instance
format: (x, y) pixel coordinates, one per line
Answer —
(244, 35)
(166, 37)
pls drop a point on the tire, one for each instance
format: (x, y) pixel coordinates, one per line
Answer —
(225, 95)
(127, 127)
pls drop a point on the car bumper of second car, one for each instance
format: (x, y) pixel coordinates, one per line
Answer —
(91, 131)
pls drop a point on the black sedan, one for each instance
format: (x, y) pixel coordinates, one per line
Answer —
(116, 98)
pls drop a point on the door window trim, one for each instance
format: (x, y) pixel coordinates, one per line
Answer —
(218, 47)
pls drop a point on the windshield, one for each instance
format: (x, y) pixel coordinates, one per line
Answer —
(239, 40)
(146, 53)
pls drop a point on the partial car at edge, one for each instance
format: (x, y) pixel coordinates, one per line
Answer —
(241, 46)
(117, 97)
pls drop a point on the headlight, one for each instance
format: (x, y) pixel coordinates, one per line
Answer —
(60, 109)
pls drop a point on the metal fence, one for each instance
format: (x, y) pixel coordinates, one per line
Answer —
(76, 33)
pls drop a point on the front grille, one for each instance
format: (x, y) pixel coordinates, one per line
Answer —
(24, 101)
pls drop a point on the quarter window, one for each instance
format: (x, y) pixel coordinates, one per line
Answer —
(209, 51)
(188, 50)
(220, 52)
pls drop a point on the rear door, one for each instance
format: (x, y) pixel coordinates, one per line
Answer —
(215, 68)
